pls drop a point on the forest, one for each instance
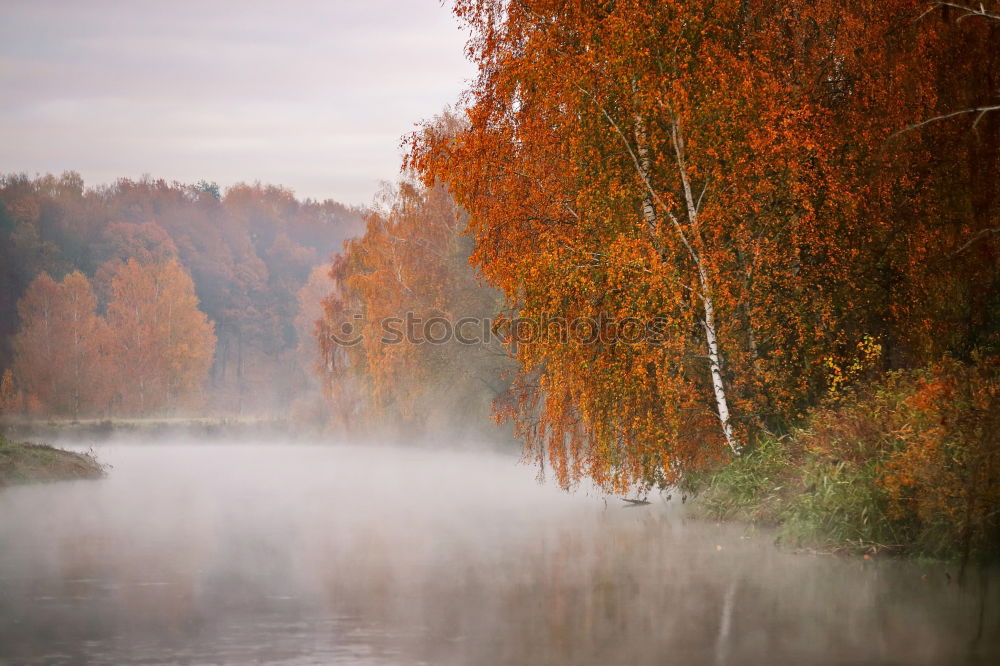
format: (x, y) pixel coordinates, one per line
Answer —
(152, 298)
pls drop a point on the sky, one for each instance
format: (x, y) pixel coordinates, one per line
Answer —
(311, 94)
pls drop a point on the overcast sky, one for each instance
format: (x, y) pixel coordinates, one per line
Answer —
(314, 95)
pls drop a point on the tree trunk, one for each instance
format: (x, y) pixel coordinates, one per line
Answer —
(641, 159)
(718, 387)
(711, 338)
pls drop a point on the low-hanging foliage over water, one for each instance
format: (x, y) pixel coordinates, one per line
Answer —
(803, 196)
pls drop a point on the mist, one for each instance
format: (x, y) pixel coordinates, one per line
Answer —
(276, 551)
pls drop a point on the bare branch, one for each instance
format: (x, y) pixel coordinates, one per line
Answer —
(981, 110)
(969, 11)
(701, 196)
(982, 234)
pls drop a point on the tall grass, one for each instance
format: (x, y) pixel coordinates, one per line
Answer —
(909, 464)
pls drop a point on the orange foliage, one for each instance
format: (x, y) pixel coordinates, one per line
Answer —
(155, 346)
(61, 346)
(948, 470)
(729, 169)
(411, 264)
(162, 344)
(11, 400)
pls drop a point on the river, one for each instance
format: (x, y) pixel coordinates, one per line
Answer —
(206, 552)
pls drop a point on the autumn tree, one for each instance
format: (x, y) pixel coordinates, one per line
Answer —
(388, 330)
(162, 344)
(25, 252)
(11, 400)
(729, 170)
(310, 312)
(608, 171)
(248, 254)
(61, 347)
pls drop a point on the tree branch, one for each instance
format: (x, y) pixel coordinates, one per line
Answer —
(981, 110)
(982, 234)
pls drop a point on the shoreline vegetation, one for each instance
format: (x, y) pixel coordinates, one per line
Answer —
(25, 462)
(907, 465)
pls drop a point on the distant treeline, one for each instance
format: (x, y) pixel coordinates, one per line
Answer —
(240, 258)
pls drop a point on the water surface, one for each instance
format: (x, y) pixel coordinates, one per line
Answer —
(208, 553)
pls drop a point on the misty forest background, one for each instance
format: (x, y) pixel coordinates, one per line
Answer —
(805, 194)
(227, 332)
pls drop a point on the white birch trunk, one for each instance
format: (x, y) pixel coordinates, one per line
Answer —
(718, 387)
(648, 210)
(641, 159)
(705, 292)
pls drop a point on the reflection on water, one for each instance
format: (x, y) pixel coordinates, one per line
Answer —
(212, 553)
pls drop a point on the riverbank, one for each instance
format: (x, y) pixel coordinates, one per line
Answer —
(907, 465)
(810, 503)
(23, 462)
(75, 429)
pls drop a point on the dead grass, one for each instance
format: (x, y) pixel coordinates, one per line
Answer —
(22, 462)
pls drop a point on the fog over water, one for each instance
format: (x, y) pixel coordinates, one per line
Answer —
(269, 552)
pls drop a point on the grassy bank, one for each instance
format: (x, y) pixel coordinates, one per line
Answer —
(813, 502)
(21, 462)
(907, 465)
